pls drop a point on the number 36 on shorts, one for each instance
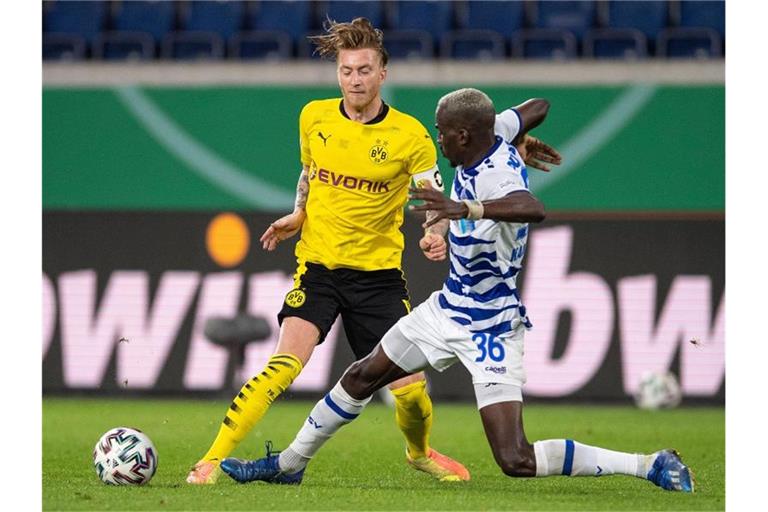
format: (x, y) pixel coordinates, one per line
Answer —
(489, 347)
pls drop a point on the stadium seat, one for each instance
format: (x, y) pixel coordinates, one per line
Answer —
(703, 14)
(649, 17)
(223, 18)
(574, 16)
(261, 44)
(349, 10)
(689, 42)
(609, 43)
(432, 16)
(76, 22)
(502, 17)
(153, 18)
(305, 48)
(409, 44)
(544, 44)
(293, 17)
(63, 47)
(85, 19)
(189, 45)
(473, 44)
(124, 46)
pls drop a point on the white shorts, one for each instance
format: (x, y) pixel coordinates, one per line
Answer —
(427, 336)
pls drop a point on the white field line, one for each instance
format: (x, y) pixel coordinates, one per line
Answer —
(596, 134)
(205, 163)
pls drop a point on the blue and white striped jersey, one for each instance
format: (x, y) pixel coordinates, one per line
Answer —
(486, 256)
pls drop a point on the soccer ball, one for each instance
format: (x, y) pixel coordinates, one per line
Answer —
(125, 456)
(658, 390)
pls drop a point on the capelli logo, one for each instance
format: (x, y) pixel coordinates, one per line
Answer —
(500, 370)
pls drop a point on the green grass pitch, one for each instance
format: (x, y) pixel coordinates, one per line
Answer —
(363, 467)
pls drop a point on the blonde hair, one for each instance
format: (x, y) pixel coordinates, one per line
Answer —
(470, 107)
(354, 35)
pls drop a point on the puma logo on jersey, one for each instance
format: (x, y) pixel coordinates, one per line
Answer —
(351, 182)
(325, 139)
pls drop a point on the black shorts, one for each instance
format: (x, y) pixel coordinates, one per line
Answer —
(369, 302)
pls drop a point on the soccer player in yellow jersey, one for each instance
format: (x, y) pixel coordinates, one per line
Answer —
(359, 156)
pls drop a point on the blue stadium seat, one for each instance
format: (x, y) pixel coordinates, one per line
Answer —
(261, 45)
(349, 10)
(432, 16)
(224, 18)
(291, 16)
(85, 19)
(473, 44)
(649, 17)
(689, 42)
(57, 46)
(615, 43)
(502, 17)
(409, 44)
(703, 14)
(544, 44)
(124, 46)
(192, 45)
(154, 18)
(574, 16)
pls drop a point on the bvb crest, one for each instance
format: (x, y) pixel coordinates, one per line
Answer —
(379, 152)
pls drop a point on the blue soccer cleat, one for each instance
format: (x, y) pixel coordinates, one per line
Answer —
(669, 472)
(264, 470)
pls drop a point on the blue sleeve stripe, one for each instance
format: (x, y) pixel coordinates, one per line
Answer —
(568, 463)
(519, 120)
(338, 410)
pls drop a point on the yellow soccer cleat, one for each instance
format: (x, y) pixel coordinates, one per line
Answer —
(205, 472)
(439, 466)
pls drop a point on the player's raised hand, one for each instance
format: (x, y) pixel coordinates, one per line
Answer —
(282, 228)
(433, 246)
(439, 206)
(538, 154)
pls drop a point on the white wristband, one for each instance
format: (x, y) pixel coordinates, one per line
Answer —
(475, 209)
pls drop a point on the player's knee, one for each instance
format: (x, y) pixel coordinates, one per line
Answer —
(358, 381)
(517, 464)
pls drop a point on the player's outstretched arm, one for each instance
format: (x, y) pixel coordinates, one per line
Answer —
(289, 225)
(532, 113)
(515, 123)
(519, 206)
(433, 243)
(538, 154)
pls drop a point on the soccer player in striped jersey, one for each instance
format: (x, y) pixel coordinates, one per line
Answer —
(359, 156)
(477, 318)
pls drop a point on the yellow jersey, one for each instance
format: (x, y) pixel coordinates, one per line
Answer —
(359, 176)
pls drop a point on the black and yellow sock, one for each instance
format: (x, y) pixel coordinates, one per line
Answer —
(413, 413)
(252, 402)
